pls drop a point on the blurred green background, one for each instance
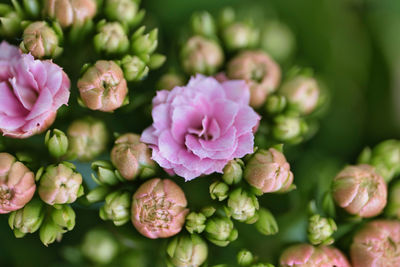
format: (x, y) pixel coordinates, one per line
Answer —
(352, 44)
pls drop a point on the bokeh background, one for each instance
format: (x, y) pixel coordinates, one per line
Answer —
(352, 44)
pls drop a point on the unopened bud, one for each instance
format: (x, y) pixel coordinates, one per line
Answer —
(187, 250)
(275, 104)
(105, 173)
(156, 61)
(144, 44)
(56, 142)
(243, 206)
(135, 69)
(278, 40)
(10, 24)
(219, 190)
(240, 36)
(28, 219)
(203, 24)
(233, 172)
(266, 223)
(124, 11)
(64, 217)
(289, 128)
(98, 194)
(320, 230)
(195, 222)
(116, 208)
(245, 257)
(221, 231)
(99, 246)
(111, 38)
(50, 232)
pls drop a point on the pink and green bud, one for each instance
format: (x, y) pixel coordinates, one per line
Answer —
(170, 80)
(219, 190)
(60, 184)
(289, 128)
(56, 142)
(100, 246)
(261, 73)
(116, 208)
(320, 230)
(203, 24)
(134, 68)
(233, 172)
(201, 55)
(103, 86)
(266, 223)
(305, 255)
(268, 171)
(360, 191)
(111, 38)
(393, 207)
(87, 138)
(142, 44)
(275, 104)
(243, 206)
(70, 12)
(17, 184)
(240, 35)
(195, 222)
(50, 232)
(377, 244)
(64, 218)
(41, 40)
(245, 257)
(124, 11)
(105, 174)
(221, 231)
(132, 158)
(28, 219)
(187, 250)
(159, 208)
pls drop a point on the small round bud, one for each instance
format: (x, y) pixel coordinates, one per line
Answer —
(195, 222)
(385, 157)
(243, 206)
(135, 69)
(268, 171)
(245, 257)
(99, 246)
(260, 72)
(220, 231)
(219, 190)
(144, 44)
(208, 211)
(360, 191)
(289, 128)
(169, 81)
(87, 138)
(116, 208)
(131, 157)
(187, 250)
(50, 232)
(111, 38)
(40, 40)
(203, 24)
(233, 172)
(393, 206)
(60, 184)
(159, 208)
(105, 173)
(201, 55)
(320, 230)
(64, 217)
(240, 36)
(28, 219)
(266, 223)
(56, 142)
(124, 11)
(275, 104)
(103, 86)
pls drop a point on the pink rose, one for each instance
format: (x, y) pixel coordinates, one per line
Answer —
(198, 128)
(31, 91)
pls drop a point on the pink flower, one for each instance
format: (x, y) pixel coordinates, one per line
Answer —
(17, 184)
(305, 255)
(377, 244)
(198, 128)
(31, 91)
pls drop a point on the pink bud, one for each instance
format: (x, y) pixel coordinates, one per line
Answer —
(17, 184)
(103, 86)
(377, 244)
(360, 190)
(269, 171)
(305, 255)
(261, 73)
(159, 208)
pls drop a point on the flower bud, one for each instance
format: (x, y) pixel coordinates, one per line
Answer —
(320, 230)
(266, 223)
(103, 86)
(243, 206)
(124, 11)
(10, 23)
(159, 208)
(208, 211)
(116, 208)
(99, 246)
(195, 222)
(393, 206)
(260, 72)
(307, 255)
(268, 171)
(64, 217)
(289, 128)
(111, 38)
(302, 94)
(203, 24)
(105, 173)
(233, 172)
(144, 44)
(56, 142)
(70, 12)
(245, 257)
(201, 55)
(169, 81)
(32, 8)
(28, 219)
(135, 69)
(97, 194)
(156, 61)
(219, 190)
(50, 232)
(132, 158)
(240, 36)
(17, 184)
(60, 184)
(221, 231)
(87, 138)
(360, 191)
(275, 104)
(187, 250)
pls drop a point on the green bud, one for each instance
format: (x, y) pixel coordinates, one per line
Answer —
(385, 157)
(243, 206)
(393, 204)
(28, 219)
(233, 172)
(97, 194)
(195, 222)
(245, 257)
(99, 246)
(56, 142)
(124, 11)
(266, 223)
(64, 217)
(320, 230)
(105, 173)
(50, 232)
(203, 24)
(10, 24)
(111, 38)
(156, 61)
(240, 35)
(31, 8)
(208, 211)
(116, 208)
(187, 250)
(275, 104)
(135, 69)
(278, 40)
(219, 190)
(144, 44)
(289, 129)
(221, 231)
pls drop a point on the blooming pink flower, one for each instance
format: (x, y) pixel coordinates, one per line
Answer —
(377, 244)
(198, 128)
(17, 184)
(31, 91)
